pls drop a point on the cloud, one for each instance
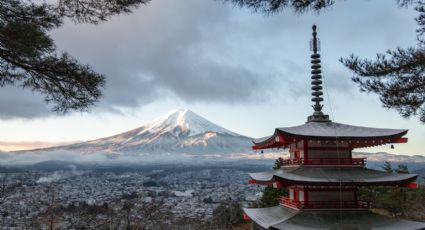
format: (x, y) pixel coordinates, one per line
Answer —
(164, 50)
(209, 51)
(66, 159)
(26, 145)
(13, 158)
(16, 102)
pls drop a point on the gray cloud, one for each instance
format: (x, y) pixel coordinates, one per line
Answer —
(207, 51)
(16, 102)
(163, 50)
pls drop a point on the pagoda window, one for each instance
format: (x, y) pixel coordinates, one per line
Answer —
(301, 195)
(296, 150)
(291, 194)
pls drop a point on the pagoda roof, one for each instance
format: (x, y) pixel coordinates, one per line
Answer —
(266, 217)
(305, 175)
(330, 131)
(280, 217)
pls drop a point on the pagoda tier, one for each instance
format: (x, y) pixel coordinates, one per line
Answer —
(355, 136)
(280, 217)
(331, 176)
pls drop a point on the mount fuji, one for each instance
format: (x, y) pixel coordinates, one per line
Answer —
(179, 131)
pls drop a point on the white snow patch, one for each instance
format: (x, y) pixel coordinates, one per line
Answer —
(187, 193)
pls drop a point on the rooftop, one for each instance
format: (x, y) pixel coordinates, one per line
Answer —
(331, 131)
(305, 175)
(280, 217)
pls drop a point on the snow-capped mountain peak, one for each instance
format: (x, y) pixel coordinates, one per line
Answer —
(183, 122)
(179, 131)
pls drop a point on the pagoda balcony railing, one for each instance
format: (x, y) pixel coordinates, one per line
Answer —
(286, 201)
(324, 161)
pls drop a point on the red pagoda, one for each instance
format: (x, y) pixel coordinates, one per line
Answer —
(321, 175)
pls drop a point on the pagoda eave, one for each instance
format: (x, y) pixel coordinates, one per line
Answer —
(400, 183)
(357, 136)
(283, 141)
(331, 177)
(281, 182)
(280, 217)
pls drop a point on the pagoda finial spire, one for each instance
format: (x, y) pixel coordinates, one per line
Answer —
(316, 81)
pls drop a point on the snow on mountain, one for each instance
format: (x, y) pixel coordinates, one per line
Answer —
(180, 131)
(183, 121)
(395, 158)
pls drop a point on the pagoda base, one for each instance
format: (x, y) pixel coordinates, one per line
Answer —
(279, 217)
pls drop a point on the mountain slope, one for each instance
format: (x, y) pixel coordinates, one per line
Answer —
(180, 131)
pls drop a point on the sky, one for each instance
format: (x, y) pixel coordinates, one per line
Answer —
(245, 71)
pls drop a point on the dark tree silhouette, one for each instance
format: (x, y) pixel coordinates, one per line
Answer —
(402, 168)
(273, 6)
(398, 76)
(298, 6)
(387, 167)
(227, 216)
(277, 163)
(28, 56)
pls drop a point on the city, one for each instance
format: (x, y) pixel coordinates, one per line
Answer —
(39, 199)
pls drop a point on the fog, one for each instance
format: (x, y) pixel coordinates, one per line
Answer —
(34, 157)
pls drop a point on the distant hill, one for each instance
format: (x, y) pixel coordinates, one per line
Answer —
(177, 134)
(56, 165)
(383, 156)
(180, 131)
(376, 160)
(421, 176)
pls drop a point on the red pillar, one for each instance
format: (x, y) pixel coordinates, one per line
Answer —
(306, 197)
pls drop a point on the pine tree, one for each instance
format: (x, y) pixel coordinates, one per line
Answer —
(227, 216)
(277, 163)
(28, 56)
(387, 167)
(402, 168)
(299, 6)
(271, 195)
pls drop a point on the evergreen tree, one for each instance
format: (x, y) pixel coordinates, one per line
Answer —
(397, 76)
(227, 216)
(28, 56)
(277, 163)
(402, 169)
(387, 167)
(271, 196)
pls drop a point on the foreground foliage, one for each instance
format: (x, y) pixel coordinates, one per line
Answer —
(29, 57)
(226, 217)
(402, 202)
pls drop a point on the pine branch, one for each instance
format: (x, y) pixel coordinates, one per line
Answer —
(28, 56)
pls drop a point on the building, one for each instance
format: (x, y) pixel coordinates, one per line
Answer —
(321, 175)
